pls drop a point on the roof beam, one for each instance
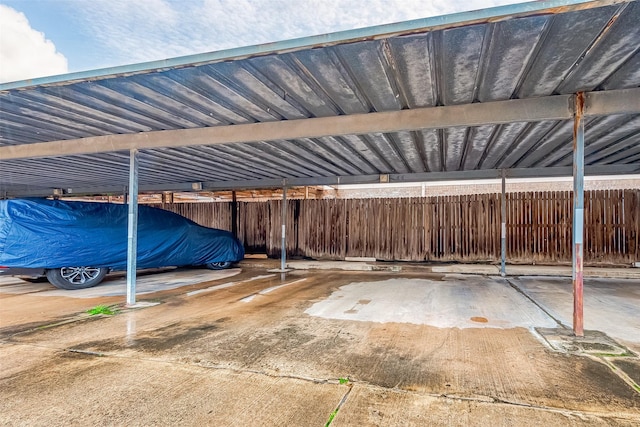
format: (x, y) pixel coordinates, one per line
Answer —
(336, 180)
(536, 109)
(626, 101)
(623, 101)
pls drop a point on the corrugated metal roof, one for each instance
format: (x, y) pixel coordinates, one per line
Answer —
(516, 56)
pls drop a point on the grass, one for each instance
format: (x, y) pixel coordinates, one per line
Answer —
(341, 380)
(331, 417)
(102, 309)
(612, 354)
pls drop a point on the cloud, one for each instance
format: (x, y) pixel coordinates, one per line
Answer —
(145, 30)
(24, 52)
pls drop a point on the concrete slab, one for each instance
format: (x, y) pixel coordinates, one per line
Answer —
(630, 366)
(143, 304)
(486, 269)
(365, 264)
(209, 358)
(367, 406)
(330, 265)
(593, 343)
(269, 290)
(116, 285)
(451, 302)
(80, 389)
(228, 284)
(359, 259)
(610, 305)
(535, 270)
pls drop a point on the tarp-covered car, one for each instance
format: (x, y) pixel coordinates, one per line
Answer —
(75, 244)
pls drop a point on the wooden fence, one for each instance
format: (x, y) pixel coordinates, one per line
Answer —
(443, 228)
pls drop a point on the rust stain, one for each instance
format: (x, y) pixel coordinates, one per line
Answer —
(581, 6)
(479, 319)
(578, 113)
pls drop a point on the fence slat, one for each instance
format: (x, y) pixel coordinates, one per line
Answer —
(439, 228)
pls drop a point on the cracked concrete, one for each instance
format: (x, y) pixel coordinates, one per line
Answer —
(203, 358)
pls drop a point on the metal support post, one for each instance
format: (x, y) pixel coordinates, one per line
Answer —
(578, 215)
(132, 234)
(283, 256)
(503, 238)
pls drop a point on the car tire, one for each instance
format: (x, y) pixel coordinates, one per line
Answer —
(76, 277)
(220, 265)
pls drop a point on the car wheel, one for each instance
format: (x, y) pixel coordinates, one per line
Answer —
(221, 265)
(76, 277)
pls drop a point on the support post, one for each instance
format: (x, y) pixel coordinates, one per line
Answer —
(132, 233)
(283, 255)
(234, 214)
(167, 198)
(503, 233)
(578, 214)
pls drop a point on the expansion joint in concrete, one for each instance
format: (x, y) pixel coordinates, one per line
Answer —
(523, 293)
(342, 402)
(616, 370)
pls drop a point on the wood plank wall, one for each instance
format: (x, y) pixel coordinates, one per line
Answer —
(443, 228)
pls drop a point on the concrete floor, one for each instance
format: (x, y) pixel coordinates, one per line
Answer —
(248, 347)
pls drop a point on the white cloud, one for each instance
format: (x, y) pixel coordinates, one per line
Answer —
(144, 30)
(24, 52)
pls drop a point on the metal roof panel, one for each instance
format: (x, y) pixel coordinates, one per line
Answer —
(528, 51)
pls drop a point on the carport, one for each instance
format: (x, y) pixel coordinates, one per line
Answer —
(504, 92)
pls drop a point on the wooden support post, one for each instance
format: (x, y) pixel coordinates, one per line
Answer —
(283, 255)
(167, 198)
(234, 214)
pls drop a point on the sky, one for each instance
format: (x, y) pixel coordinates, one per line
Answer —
(49, 37)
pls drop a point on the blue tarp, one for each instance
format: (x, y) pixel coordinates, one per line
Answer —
(38, 233)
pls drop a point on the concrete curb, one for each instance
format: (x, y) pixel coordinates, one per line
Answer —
(478, 269)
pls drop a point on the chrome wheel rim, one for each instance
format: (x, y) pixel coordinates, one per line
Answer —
(79, 275)
(221, 264)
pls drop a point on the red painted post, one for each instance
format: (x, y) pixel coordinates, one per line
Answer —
(578, 215)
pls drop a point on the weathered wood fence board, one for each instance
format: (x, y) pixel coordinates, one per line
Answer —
(443, 228)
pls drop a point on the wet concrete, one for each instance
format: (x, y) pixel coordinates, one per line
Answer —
(455, 301)
(210, 354)
(610, 305)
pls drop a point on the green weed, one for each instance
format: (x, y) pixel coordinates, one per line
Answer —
(331, 417)
(102, 309)
(612, 354)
